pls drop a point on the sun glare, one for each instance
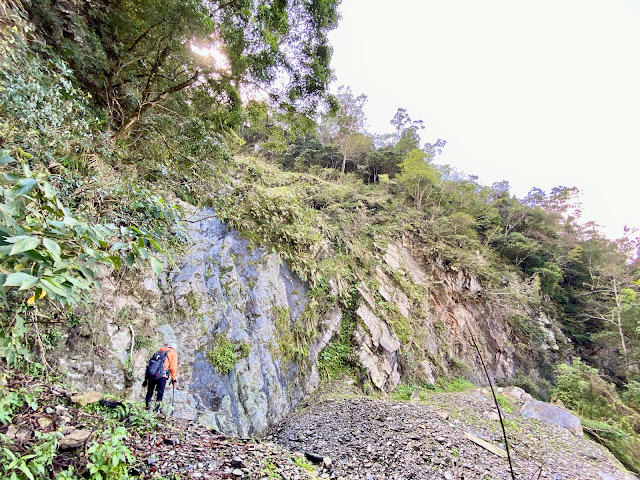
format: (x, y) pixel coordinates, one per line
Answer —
(213, 52)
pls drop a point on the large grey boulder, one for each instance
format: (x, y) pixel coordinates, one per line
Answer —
(545, 412)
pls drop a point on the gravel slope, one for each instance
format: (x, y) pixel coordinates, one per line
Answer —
(377, 439)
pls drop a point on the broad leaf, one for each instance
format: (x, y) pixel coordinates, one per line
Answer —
(49, 285)
(24, 244)
(156, 265)
(24, 186)
(18, 278)
(130, 260)
(52, 246)
(118, 246)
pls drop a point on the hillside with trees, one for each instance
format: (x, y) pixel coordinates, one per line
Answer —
(118, 118)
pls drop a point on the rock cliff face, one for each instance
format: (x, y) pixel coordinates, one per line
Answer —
(222, 287)
(441, 312)
(414, 319)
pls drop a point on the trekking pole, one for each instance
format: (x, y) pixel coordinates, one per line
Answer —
(173, 398)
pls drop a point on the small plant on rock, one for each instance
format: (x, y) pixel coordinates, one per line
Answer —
(223, 356)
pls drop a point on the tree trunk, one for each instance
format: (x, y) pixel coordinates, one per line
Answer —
(618, 323)
(131, 120)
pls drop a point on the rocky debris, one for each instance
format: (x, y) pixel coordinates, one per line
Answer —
(446, 436)
(49, 412)
(552, 414)
(176, 449)
(202, 453)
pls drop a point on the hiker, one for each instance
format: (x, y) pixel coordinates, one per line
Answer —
(157, 375)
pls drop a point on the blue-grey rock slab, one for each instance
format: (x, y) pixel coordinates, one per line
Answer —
(545, 412)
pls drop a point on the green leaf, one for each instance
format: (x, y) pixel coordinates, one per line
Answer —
(49, 191)
(70, 221)
(155, 244)
(77, 282)
(18, 278)
(16, 238)
(49, 285)
(34, 256)
(24, 244)
(118, 246)
(29, 283)
(11, 177)
(6, 160)
(115, 260)
(130, 259)
(24, 154)
(156, 265)
(87, 272)
(24, 186)
(52, 246)
(26, 471)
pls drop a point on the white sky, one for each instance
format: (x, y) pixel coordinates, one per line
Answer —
(540, 93)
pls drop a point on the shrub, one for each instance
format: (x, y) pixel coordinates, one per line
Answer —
(110, 459)
(223, 356)
(605, 417)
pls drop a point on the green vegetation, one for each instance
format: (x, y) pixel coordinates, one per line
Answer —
(110, 459)
(110, 109)
(605, 416)
(108, 456)
(303, 463)
(442, 385)
(270, 470)
(334, 360)
(223, 355)
(294, 337)
(194, 302)
(505, 404)
(144, 342)
(32, 465)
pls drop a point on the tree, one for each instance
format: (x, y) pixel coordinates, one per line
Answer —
(378, 162)
(345, 128)
(144, 51)
(418, 176)
(612, 288)
(406, 135)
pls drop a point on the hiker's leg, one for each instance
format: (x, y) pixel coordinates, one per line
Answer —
(151, 385)
(161, 384)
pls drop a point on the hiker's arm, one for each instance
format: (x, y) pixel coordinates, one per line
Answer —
(173, 365)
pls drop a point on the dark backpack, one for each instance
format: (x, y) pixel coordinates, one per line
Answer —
(155, 367)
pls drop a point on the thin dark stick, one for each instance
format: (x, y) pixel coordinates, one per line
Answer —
(495, 399)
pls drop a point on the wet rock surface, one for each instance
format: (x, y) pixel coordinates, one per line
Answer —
(441, 437)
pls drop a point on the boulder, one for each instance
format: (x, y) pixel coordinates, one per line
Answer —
(75, 439)
(516, 394)
(86, 398)
(545, 412)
